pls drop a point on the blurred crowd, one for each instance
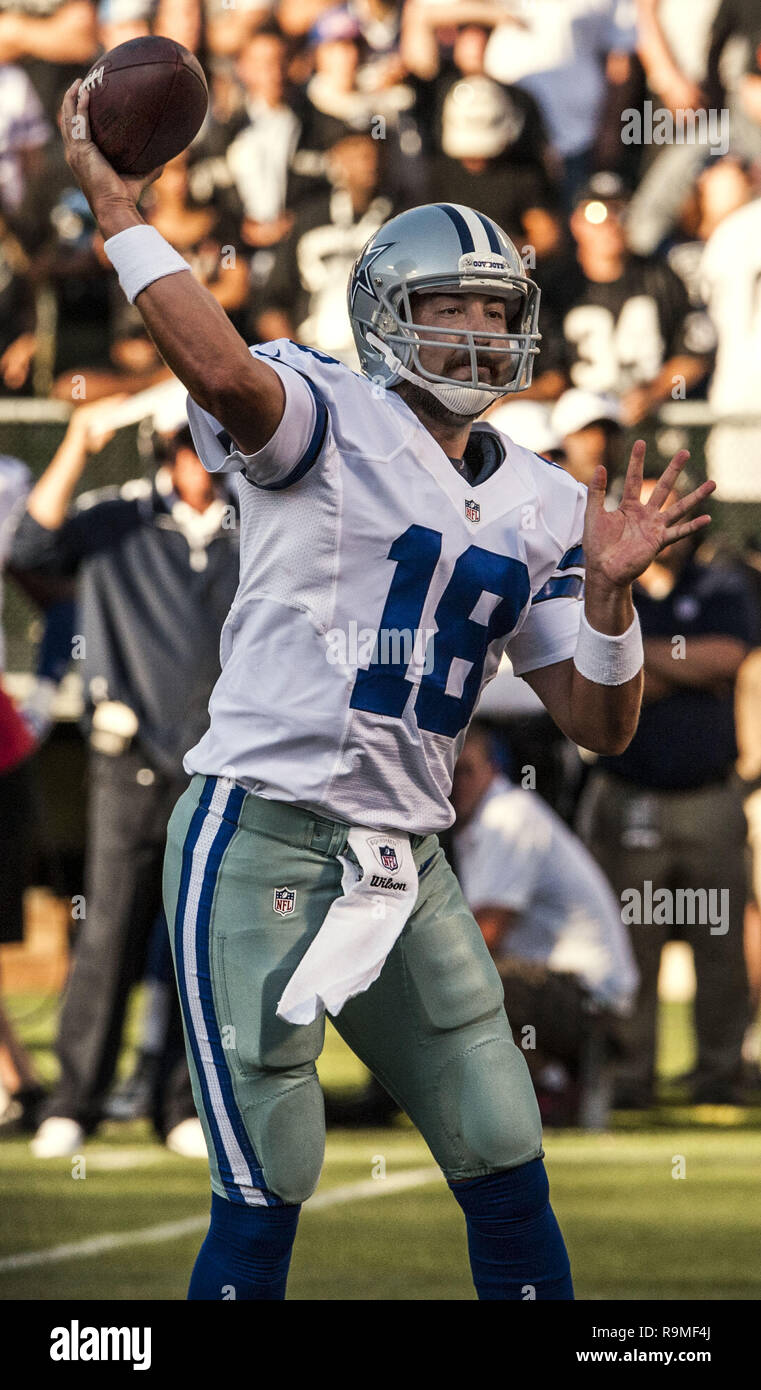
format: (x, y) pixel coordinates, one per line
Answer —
(324, 121)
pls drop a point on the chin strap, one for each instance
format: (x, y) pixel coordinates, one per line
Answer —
(461, 400)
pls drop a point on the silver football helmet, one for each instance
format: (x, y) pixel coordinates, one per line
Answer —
(436, 248)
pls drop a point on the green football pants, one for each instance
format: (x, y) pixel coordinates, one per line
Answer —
(432, 1028)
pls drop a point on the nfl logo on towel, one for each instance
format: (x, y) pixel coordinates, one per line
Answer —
(283, 901)
(472, 510)
(385, 853)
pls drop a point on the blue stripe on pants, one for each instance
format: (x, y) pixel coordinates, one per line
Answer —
(203, 851)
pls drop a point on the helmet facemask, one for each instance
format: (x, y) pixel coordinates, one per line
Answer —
(509, 355)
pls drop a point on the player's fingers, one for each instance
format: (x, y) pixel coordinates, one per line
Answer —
(633, 481)
(685, 504)
(684, 528)
(68, 107)
(667, 479)
(596, 490)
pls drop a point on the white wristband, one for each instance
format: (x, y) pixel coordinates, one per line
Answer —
(139, 256)
(609, 660)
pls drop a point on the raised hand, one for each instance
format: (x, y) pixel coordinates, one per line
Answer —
(98, 180)
(619, 545)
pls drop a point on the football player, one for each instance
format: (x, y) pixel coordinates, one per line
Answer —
(391, 550)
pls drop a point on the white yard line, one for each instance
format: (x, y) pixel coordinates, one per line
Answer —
(173, 1230)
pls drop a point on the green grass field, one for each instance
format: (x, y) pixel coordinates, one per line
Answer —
(383, 1225)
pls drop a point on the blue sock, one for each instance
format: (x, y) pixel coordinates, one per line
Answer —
(246, 1252)
(515, 1246)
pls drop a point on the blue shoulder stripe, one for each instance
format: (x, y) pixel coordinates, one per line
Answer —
(312, 451)
(572, 559)
(569, 586)
(310, 454)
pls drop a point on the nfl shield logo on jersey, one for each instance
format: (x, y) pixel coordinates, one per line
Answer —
(284, 900)
(472, 510)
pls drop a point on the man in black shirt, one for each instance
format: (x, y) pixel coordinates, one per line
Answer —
(305, 295)
(626, 320)
(157, 568)
(665, 818)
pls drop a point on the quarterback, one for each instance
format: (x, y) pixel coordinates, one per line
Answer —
(302, 871)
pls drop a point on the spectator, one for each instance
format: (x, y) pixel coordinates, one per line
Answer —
(481, 127)
(667, 813)
(209, 243)
(674, 36)
(627, 323)
(181, 20)
(157, 568)
(337, 105)
(24, 132)
(305, 298)
(729, 273)
(52, 40)
(122, 20)
(437, 74)
(229, 27)
(559, 53)
(733, 72)
(589, 429)
(541, 900)
(259, 157)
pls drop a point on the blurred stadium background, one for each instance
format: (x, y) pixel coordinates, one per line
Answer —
(369, 107)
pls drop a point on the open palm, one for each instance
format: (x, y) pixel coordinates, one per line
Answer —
(619, 545)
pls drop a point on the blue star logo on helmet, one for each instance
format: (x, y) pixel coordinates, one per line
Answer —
(361, 279)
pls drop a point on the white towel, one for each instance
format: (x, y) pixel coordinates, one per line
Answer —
(350, 949)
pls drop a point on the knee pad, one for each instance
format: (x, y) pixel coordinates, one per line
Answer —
(491, 1103)
(287, 1124)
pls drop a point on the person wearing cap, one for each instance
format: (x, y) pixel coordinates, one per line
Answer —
(481, 164)
(156, 565)
(627, 322)
(588, 427)
(434, 69)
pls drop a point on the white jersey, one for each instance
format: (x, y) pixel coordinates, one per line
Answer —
(378, 592)
(517, 853)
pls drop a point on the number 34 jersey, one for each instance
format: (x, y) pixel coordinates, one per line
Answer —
(378, 592)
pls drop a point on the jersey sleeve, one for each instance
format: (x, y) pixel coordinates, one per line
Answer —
(551, 628)
(288, 455)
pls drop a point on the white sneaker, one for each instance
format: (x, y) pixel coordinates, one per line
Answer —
(57, 1138)
(187, 1139)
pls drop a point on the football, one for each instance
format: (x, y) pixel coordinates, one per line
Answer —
(148, 99)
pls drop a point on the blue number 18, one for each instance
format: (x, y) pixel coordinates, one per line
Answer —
(384, 687)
